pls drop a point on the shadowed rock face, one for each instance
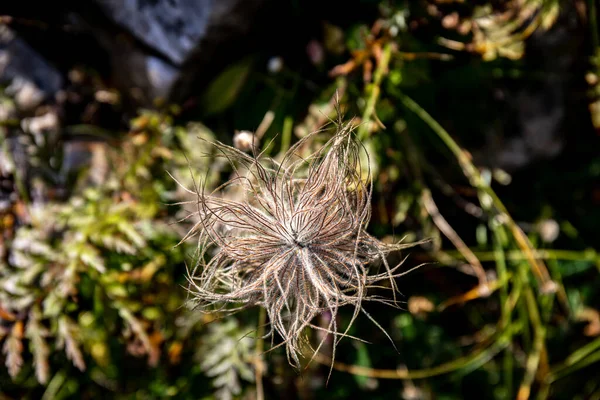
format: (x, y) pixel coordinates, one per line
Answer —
(173, 28)
(154, 48)
(29, 77)
(181, 37)
(170, 49)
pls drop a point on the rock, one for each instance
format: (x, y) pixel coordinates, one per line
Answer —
(180, 37)
(161, 76)
(30, 78)
(147, 49)
(88, 154)
(172, 27)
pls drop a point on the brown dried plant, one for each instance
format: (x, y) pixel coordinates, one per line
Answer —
(294, 242)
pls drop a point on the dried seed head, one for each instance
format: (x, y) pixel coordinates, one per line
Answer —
(245, 141)
(295, 244)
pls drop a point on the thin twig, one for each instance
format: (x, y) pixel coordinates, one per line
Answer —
(265, 124)
(451, 234)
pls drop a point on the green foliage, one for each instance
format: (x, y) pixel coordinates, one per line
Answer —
(223, 91)
(95, 281)
(225, 356)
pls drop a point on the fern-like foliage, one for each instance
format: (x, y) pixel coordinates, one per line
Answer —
(226, 358)
(88, 278)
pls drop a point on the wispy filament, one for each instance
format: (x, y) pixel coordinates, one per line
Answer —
(294, 241)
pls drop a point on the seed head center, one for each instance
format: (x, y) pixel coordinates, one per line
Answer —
(297, 240)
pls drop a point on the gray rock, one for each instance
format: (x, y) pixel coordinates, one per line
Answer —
(172, 27)
(167, 49)
(182, 37)
(161, 76)
(30, 78)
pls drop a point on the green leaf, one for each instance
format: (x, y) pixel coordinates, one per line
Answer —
(363, 360)
(90, 256)
(223, 91)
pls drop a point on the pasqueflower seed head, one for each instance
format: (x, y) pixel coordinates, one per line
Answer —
(294, 240)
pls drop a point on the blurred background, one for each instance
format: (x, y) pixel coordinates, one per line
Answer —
(482, 119)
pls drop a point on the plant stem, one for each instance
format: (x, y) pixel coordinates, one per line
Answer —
(473, 360)
(375, 89)
(258, 361)
(286, 134)
(578, 359)
(506, 311)
(517, 255)
(477, 181)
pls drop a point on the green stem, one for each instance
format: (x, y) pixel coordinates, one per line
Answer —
(533, 360)
(464, 161)
(576, 360)
(506, 311)
(54, 385)
(593, 358)
(532, 365)
(517, 255)
(286, 134)
(374, 90)
(470, 362)
(472, 173)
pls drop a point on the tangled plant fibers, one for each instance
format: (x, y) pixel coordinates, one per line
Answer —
(294, 240)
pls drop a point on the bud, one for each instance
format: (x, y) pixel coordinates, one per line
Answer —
(245, 140)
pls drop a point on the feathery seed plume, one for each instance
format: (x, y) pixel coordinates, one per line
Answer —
(295, 243)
